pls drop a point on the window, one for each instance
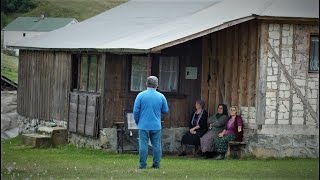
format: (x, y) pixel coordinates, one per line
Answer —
(314, 54)
(168, 74)
(166, 68)
(140, 70)
(86, 73)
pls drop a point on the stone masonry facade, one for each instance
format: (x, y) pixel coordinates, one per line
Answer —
(289, 129)
(283, 105)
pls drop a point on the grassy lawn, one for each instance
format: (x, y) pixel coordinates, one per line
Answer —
(9, 67)
(69, 162)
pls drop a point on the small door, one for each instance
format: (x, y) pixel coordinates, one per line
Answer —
(85, 97)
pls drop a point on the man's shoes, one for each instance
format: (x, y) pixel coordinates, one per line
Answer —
(220, 157)
(155, 167)
(183, 153)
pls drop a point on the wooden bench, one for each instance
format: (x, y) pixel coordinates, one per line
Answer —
(236, 149)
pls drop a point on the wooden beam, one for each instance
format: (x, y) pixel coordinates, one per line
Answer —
(293, 84)
(262, 73)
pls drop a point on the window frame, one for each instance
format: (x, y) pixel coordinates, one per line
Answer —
(76, 68)
(309, 44)
(155, 65)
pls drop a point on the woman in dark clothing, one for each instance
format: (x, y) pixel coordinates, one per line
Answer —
(198, 127)
(232, 132)
(216, 124)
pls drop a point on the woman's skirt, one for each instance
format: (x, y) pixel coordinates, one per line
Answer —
(206, 142)
(221, 143)
(192, 139)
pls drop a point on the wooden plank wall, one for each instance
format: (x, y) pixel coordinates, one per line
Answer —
(44, 84)
(229, 66)
(119, 98)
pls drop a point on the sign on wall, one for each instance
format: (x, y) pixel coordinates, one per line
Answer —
(191, 72)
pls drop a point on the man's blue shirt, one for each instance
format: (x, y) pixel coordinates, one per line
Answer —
(147, 109)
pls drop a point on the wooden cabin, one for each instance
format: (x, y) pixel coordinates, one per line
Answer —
(263, 59)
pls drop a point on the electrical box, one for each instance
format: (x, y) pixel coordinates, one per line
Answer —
(191, 72)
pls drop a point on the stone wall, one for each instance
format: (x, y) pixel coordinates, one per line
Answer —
(285, 141)
(288, 129)
(30, 125)
(283, 105)
(106, 140)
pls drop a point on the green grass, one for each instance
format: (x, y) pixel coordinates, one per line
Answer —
(69, 162)
(9, 67)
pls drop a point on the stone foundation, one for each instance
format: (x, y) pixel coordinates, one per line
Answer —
(106, 140)
(262, 142)
(30, 125)
(285, 141)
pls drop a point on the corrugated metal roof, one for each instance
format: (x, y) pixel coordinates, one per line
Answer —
(34, 24)
(145, 25)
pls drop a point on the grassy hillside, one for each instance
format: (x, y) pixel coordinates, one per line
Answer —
(79, 9)
(9, 67)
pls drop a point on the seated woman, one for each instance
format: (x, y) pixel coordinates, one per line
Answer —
(198, 127)
(216, 125)
(232, 132)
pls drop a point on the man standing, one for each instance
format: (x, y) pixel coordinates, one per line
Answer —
(148, 106)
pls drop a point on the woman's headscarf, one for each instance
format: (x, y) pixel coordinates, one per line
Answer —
(225, 111)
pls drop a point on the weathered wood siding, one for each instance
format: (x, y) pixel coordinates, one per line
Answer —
(118, 98)
(229, 66)
(44, 84)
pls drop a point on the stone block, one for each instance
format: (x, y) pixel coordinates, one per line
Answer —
(283, 121)
(287, 94)
(295, 99)
(300, 82)
(285, 27)
(312, 85)
(37, 140)
(297, 107)
(314, 93)
(59, 135)
(270, 71)
(274, 86)
(284, 40)
(284, 86)
(270, 121)
(272, 78)
(276, 43)
(270, 27)
(290, 41)
(274, 64)
(269, 85)
(261, 152)
(283, 108)
(271, 94)
(274, 35)
(276, 27)
(252, 121)
(297, 120)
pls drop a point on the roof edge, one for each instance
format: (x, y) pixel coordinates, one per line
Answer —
(281, 18)
(114, 50)
(202, 33)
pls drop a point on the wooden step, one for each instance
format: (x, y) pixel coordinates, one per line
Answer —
(37, 140)
(59, 135)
